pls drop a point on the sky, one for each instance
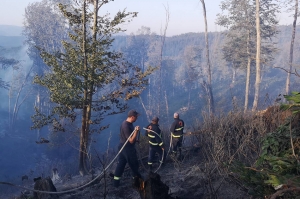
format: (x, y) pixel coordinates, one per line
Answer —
(184, 15)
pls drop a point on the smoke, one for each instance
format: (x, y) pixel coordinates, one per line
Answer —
(14, 75)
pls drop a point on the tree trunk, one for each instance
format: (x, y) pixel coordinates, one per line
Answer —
(88, 93)
(287, 87)
(233, 79)
(167, 107)
(17, 102)
(10, 94)
(160, 91)
(208, 85)
(248, 74)
(258, 46)
(84, 122)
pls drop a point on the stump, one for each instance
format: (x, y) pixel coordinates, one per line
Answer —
(154, 188)
(44, 184)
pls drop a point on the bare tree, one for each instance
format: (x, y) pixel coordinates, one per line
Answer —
(287, 86)
(16, 89)
(136, 53)
(192, 59)
(258, 45)
(45, 27)
(156, 80)
(163, 38)
(207, 85)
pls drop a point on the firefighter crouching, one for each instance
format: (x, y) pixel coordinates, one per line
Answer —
(177, 135)
(156, 144)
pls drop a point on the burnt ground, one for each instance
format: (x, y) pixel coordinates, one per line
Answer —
(190, 178)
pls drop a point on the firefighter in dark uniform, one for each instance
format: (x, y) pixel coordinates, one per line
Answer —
(128, 154)
(156, 144)
(177, 133)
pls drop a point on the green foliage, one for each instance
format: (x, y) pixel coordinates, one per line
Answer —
(294, 98)
(276, 154)
(241, 34)
(278, 164)
(88, 71)
(275, 143)
(252, 179)
(87, 79)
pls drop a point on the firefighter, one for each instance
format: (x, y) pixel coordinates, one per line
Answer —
(128, 154)
(156, 144)
(177, 135)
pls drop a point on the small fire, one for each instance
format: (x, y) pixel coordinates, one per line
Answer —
(142, 185)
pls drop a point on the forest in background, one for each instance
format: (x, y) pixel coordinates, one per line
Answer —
(187, 98)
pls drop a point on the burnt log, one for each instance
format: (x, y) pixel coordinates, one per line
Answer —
(44, 184)
(154, 188)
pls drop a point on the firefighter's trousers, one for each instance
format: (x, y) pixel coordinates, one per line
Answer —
(127, 155)
(177, 144)
(153, 149)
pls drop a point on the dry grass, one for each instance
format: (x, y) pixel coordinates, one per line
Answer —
(220, 141)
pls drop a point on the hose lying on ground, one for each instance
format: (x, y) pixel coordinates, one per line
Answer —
(77, 188)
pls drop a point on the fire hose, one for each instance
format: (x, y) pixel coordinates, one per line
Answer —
(163, 151)
(77, 188)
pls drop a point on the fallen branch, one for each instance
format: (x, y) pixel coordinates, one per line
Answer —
(280, 192)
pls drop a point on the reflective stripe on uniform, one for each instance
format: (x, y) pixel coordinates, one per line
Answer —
(176, 136)
(161, 144)
(153, 143)
(152, 136)
(179, 129)
(150, 163)
(116, 178)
